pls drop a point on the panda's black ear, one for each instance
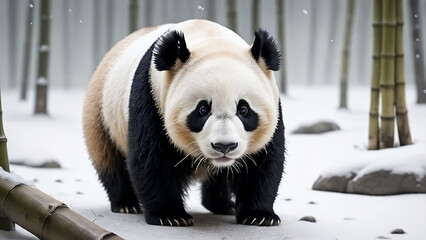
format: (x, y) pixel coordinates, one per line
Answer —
(265, 47)
(169, 48)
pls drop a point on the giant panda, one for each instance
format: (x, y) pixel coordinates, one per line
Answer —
(188, 101)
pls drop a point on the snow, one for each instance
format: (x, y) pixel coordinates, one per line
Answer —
(11, 177)
(41, 81)
(44, 48)
(411, 159)
(339, 216)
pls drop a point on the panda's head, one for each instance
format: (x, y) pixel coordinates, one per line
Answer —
(219, 99)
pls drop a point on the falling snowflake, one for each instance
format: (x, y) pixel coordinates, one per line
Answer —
(81, 21)
(417, 55)
(332, 41)
(416, 15)
(200, 7)
(31, 6)
(417, 39)
(31, 23)
(70, 10)
(305, 11)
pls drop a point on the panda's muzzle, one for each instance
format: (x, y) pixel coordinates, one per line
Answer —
(224, 147)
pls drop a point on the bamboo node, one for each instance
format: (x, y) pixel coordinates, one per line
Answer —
(374, 114)
(375, 89)
(385, 85)
(4, 139)
(387, 117)
(399, 55)
(400, 83)
(401, 112)
(388, 55)
(389, 24)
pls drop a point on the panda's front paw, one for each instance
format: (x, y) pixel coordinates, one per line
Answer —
(259, 218)
(171, 221)
(126, 208)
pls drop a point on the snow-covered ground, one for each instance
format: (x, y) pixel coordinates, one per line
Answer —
(339, 216)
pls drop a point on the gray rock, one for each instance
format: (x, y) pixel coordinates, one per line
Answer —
(317, 128)
(308, 219)
(333, 183)
(398, 231)
(45, 164)
(387, 183)
(383, 237)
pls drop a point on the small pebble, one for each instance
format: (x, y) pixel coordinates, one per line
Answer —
(58, 180)
(311, 202)
(79, 193)
(308, 219)
(35, 180)
(287, 199)
(78, 180)
(348, 218)
(382, 237)
(398, 231)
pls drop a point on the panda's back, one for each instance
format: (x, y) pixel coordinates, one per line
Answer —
(118, 80)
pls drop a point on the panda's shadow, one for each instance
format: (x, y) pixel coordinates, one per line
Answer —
(203, 219)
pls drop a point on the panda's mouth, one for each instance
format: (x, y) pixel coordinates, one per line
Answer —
(222, 161)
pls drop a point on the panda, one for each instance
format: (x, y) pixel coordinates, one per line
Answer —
(175, 103)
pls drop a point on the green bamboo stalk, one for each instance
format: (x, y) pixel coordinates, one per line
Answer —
(133, 16)
(255, 9)
(281, 39)
(46, 217)
(232, 15)
(346, 54)
(373, 131)
(5, 223)
(400, 106)
(387, 73)
(43, 59)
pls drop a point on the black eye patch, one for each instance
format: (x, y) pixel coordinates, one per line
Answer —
(248, 117)
(198, 117)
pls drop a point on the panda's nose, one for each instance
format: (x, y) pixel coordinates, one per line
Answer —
(224, 147)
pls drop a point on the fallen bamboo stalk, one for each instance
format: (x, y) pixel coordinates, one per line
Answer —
(44, 216)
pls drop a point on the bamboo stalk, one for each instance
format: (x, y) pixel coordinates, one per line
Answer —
(133, 16)
(400, 106)
(373, 131)
(232, 15)
(27, 51)
(281, 39)
(43, 59)
(5, 223)
(346, 54)
(46, 217)
(255, 15)
(387, 73)
(417, 48)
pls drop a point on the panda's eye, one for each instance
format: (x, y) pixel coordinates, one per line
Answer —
(204, 110)
(243, 111)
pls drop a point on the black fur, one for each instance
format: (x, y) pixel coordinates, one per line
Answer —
(265, 46)
(255, 190)
(159, 185)
(169, 48)
(216, 195)
(251, 120)
(195, 121)
(119, 188)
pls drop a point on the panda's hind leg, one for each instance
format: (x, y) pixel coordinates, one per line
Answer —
(119, 189)
(216, 195)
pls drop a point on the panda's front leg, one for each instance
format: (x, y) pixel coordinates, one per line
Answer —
(160, 189)
(255, 194)
(256, 189)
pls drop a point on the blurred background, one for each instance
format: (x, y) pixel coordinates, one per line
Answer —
(82, 31)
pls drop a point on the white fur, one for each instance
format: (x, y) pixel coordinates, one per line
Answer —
(116, 92)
